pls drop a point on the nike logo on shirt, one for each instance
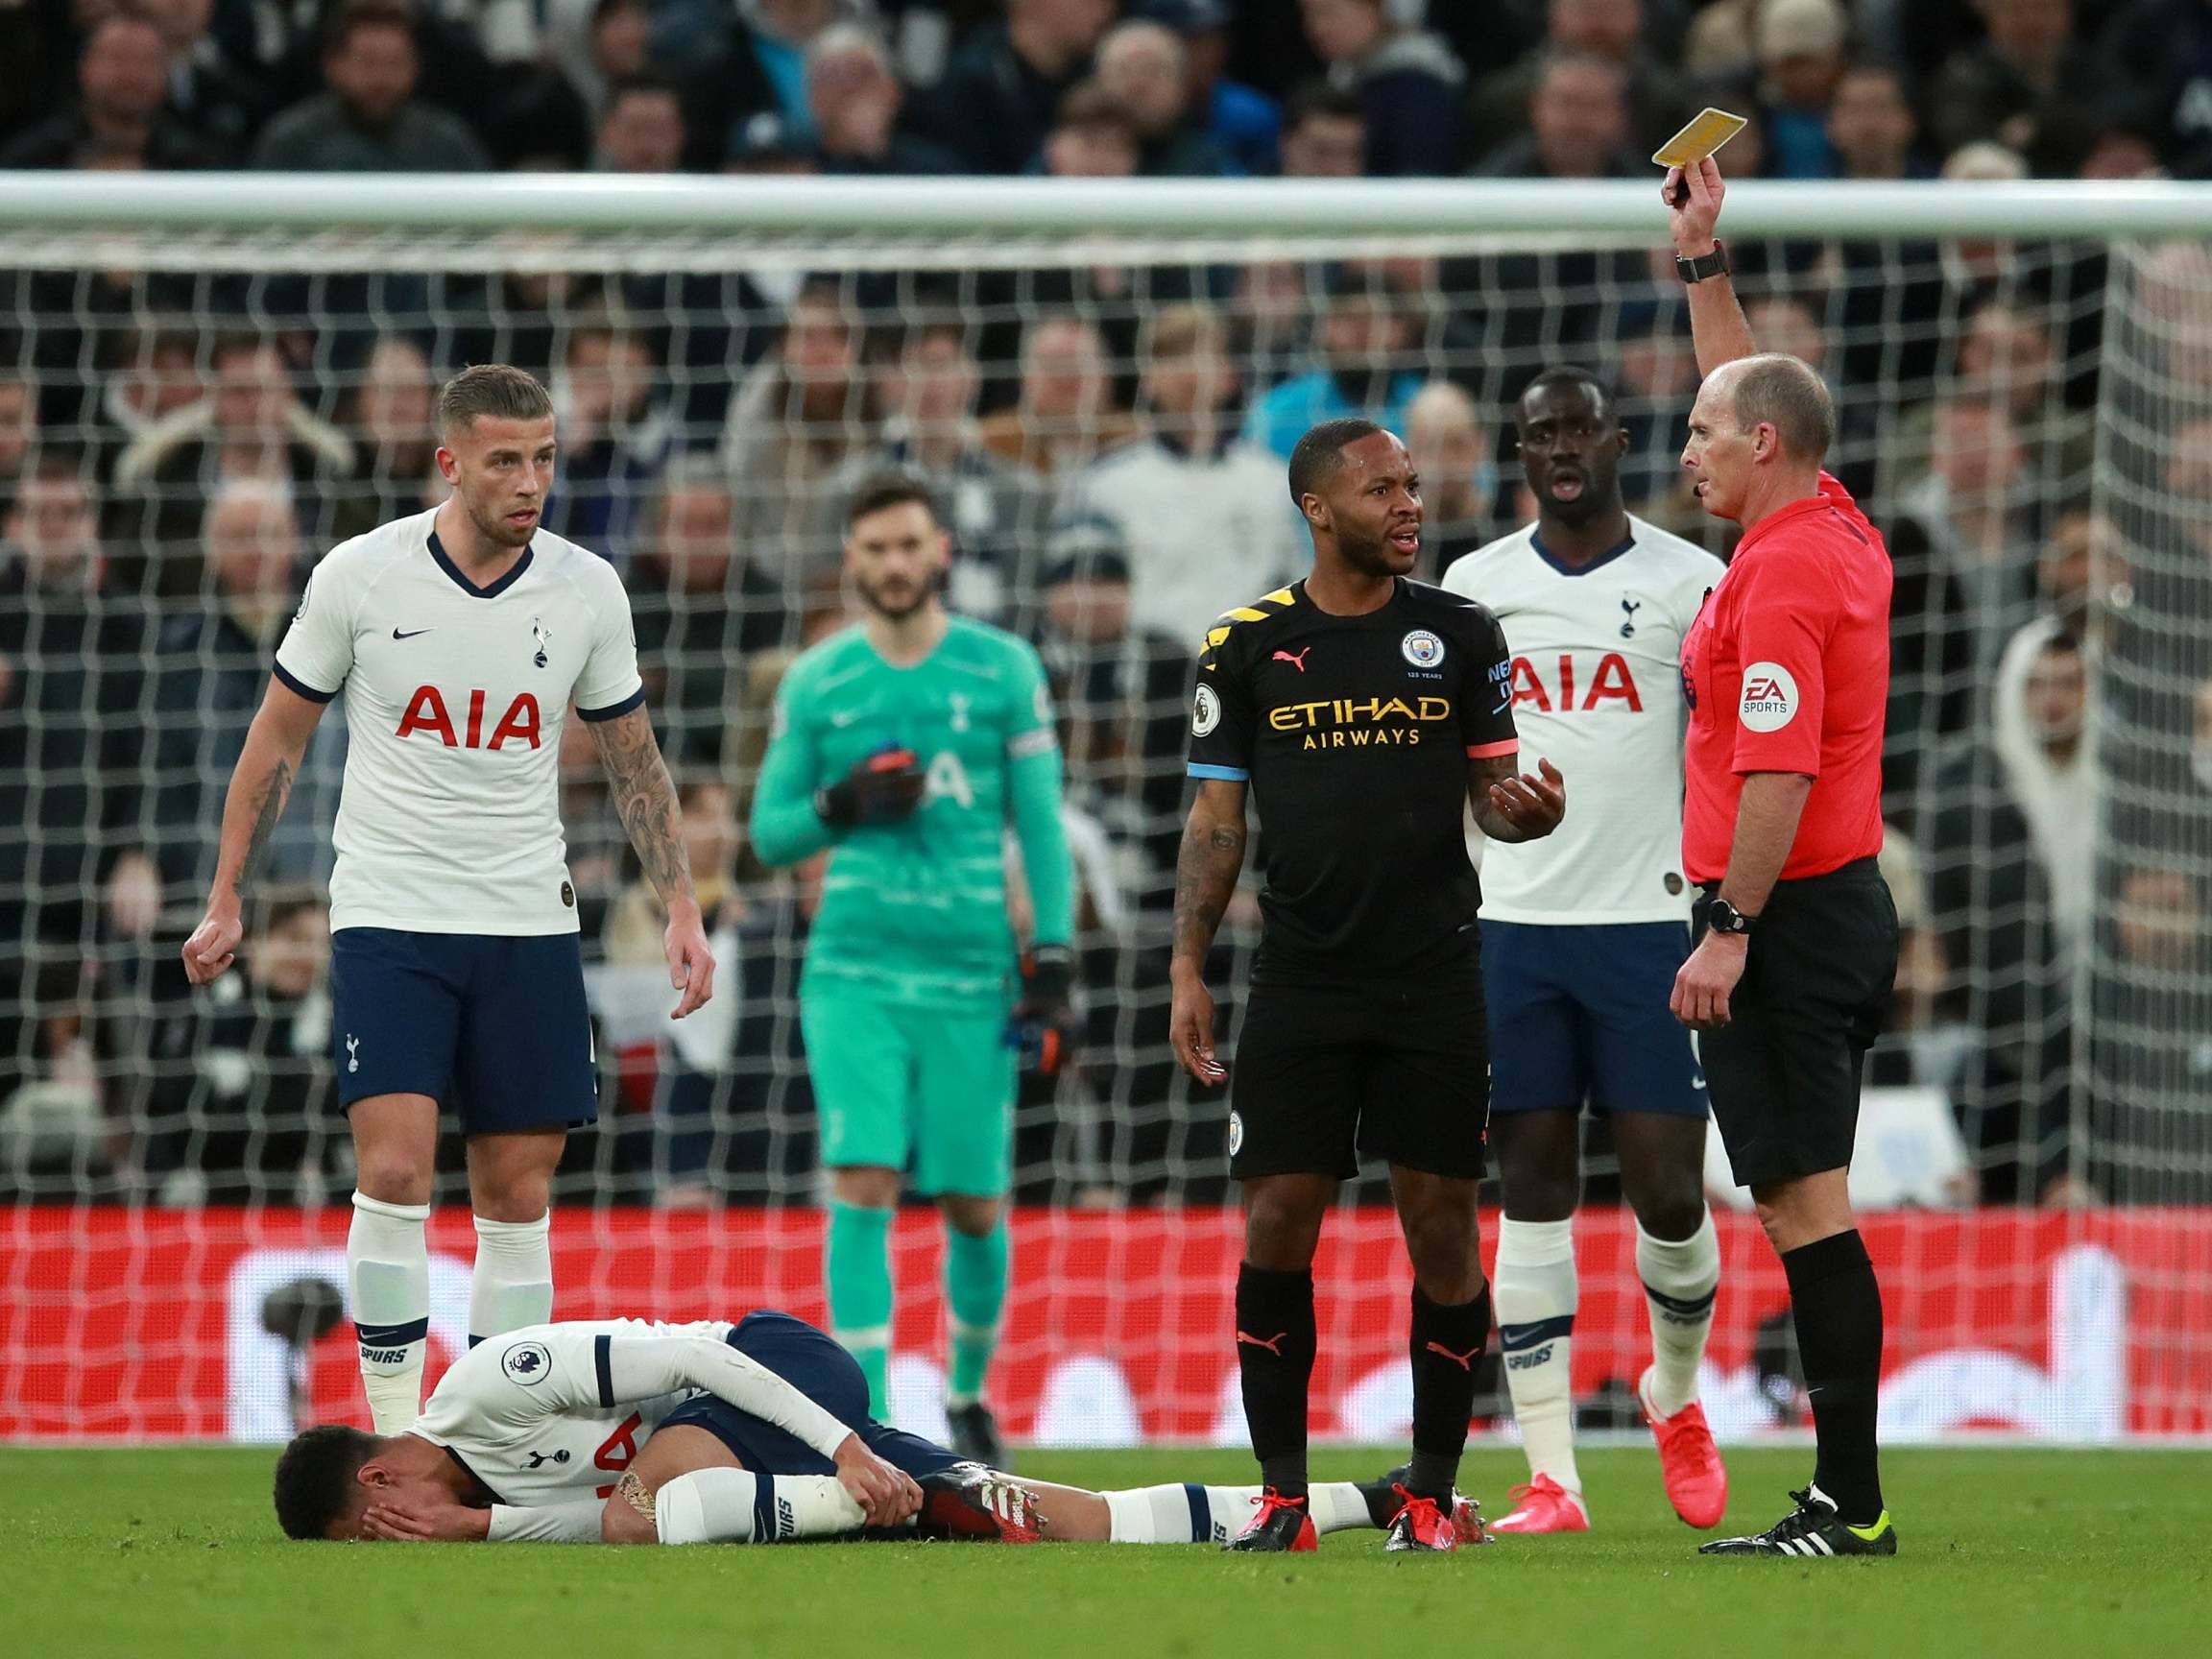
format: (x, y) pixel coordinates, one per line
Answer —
(409, 635)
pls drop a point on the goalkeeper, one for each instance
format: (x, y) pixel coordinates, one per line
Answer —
(905, 745)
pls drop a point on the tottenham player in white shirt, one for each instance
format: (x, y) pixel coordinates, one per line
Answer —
(1582, 934)
(460, 637)
(629, 1432)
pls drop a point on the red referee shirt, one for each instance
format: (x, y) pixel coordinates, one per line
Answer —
(1787, 669)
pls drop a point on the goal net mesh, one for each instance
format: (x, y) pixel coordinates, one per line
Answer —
(186, 423)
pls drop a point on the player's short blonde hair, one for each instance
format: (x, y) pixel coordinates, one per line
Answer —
(497, 390)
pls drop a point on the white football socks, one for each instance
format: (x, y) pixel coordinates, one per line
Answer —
(738, 1506)
(513, 1282)
(1679, 1280)
(1195, 1514)
(388, 1283)
(1535, 1291)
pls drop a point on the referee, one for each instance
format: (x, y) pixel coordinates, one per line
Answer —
(1786, 672)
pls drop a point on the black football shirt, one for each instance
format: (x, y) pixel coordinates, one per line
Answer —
(1354, 734)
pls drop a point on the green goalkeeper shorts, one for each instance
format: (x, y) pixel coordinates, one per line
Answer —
(892, 1081)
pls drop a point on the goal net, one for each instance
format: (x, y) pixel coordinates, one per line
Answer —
(203, 391)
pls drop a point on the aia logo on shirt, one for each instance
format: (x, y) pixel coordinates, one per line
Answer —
(1770, 697)
(427, 711)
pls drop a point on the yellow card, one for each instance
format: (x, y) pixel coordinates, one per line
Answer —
(1708, 130)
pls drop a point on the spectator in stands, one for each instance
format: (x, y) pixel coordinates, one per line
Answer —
(995, 105)
(1324, 133)
(119, 119)
(1871, 128)
(2083, 579)
(1364, 336)
(143, 376)
(2014, 882)
(2151, 1071)
(1499, 109)
(858, 102)
(210, 675)
(1121, 685)
(1141, 68)
(249, 425)
(1200, 514)
(640, 126)
(1066, 416)
(2156, 55)
(211, 91)
(18, 427)
(615, 45)
(1801, 58)
(1453, 454)
(239, 1107)
(1408, 81)
(802, 412)
(1243, 121)
(685, 1091)
(1578, 124)
(387, 414)
(2027, 72)
(927, 382)
(763, 61)
(71, 730)
(1094, 136)
(616, 434)
(703, 610)
(2007, 351)
(370, 119)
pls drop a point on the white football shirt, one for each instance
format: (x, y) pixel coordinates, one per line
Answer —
(1597, 692)
(448, 814)
(550, 1414)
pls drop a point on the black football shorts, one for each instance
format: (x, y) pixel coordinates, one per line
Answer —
(1327, 1074)
(1783, 1072)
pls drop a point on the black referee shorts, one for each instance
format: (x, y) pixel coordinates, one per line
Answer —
(1784, 1072)
(1398, 1070)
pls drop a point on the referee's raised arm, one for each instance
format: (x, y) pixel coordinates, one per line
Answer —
(1786, 672)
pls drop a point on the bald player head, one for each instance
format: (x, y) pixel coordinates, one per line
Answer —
(1758, 434)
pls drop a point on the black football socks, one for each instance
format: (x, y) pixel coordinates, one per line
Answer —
(1275, 1342)
(1446, 1346)
(1837, 1306)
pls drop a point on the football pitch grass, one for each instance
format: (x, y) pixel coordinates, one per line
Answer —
(175, 1553)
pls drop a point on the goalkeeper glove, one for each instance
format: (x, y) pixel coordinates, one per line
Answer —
(1043, 1029)
(882, 789)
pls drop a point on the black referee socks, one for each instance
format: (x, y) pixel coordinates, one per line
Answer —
(1446, 1346)
(1275, 1345)
(1838, 1309)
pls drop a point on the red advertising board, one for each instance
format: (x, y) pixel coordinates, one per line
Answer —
(150, 1323)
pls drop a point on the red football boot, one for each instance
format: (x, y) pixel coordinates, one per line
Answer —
(1689, 1463)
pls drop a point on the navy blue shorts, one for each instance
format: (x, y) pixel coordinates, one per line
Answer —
(812, 1362)
(1578, 1016)
(496, 1028)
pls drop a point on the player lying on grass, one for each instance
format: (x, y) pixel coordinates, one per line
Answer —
(635, 1432)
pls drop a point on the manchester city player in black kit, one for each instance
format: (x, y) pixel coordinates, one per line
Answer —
(1364, 713)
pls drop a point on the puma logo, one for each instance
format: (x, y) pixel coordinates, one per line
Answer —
(1298, 661)
(1273, 1344)
(1465, 1361)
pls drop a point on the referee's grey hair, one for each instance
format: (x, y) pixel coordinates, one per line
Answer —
(497, 390)
(1787, 393)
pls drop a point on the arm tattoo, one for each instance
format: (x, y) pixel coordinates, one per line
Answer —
(1206, 870)
(265, 816)
(645, 801)
(1481, 775)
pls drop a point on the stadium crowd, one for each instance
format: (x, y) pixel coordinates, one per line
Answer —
(1107, 445)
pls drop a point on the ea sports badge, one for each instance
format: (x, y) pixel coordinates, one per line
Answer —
(1421, 648)
(1204, 712)
(1770, 697)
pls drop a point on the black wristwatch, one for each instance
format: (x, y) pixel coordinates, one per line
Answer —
(1722, 917)
(1713, 264)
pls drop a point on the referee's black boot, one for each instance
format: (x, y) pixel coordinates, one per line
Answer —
(1813, 1529)
(1282, 1523)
